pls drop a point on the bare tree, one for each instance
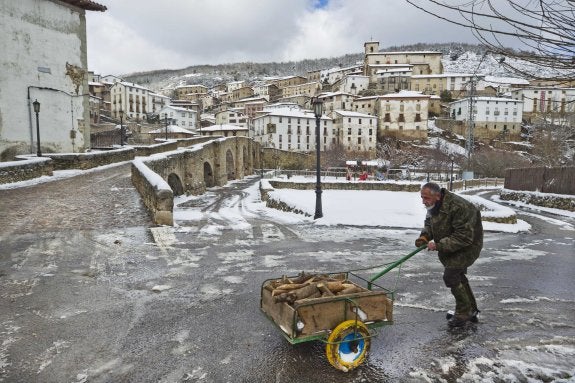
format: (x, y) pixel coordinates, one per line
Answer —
(545, 30)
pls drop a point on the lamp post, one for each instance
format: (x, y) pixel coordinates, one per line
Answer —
(121, 112)
(166, 123)
(451, 174)
(318, 111)
(36, 106)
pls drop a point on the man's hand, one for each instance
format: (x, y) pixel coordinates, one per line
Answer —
(431, 246)
(421, 241)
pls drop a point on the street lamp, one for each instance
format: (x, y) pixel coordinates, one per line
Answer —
(36, 106)
(318, 111)
(451, 175)
(121, 112)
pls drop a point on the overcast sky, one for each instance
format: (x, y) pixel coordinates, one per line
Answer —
(142, 35)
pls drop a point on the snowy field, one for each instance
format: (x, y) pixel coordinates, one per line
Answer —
(369, 208)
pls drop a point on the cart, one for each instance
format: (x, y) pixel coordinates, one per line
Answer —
(345, 323)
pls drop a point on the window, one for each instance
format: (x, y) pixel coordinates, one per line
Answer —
(371, 132)
(359, 140)
(360, 121)
(349, 131)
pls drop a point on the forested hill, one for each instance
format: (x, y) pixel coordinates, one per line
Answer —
(210, 75)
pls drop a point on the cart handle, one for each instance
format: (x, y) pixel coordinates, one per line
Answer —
(395, 264)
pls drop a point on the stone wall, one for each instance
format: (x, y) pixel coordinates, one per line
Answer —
(360, 185)
(155, 193)
(553, 201)
(91, 160)
(26, 168)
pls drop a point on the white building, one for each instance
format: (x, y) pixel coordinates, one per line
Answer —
(403, 114)
(545, 100)
(182, 117)
(132, 99)
(292, 128)
(492, 116)
(43, 58)
(232, 116)
(356, 132)
(333, 101)
(352, 84)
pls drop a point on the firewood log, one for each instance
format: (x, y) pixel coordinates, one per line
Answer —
(351, 290)
(326, 292)
(290, 286)
(335, 287)
(305, 291)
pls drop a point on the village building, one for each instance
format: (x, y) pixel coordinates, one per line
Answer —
(546, 101)
(351, 83)
(292, 128)
(356, 132)
(224, 130)
(50, 71)
(232, 116)
(403, 115)
(423, 62)
(365, 105)
(493, 117)
(336, 101)
(182, 117)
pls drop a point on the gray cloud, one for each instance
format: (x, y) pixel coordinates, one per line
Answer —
(141, 35)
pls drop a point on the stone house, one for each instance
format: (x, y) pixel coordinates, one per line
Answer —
(403, 115)
(336, 101)
(356, 132)
(309, 89)
(44, 59)
(423, 62)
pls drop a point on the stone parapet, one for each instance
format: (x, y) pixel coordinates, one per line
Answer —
(89, 160)
(351, 185)
(156, 194)
(26, 168)
(554, 201)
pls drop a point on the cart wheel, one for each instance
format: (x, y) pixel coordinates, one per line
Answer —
(348, 345)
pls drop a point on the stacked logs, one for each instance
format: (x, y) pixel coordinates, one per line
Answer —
(307, 286)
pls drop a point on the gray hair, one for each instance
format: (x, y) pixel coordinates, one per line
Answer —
(432, 187)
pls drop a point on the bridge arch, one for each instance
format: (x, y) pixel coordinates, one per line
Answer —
(175, 184)
(209, 178)
(230, 166)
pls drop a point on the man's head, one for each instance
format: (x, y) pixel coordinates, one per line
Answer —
(430, 194)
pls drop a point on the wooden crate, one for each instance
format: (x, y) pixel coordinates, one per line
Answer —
(320, 315)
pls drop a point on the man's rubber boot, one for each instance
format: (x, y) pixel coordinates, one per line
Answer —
(462, 307)
(474, 310)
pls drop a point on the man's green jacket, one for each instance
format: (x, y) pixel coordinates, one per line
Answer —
(456, 229)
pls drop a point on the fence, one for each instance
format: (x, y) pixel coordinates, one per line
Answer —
(559, 180)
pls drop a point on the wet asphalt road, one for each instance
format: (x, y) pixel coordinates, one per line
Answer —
(91, 291)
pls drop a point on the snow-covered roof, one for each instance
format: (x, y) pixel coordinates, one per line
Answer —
(406, 94)
(172, 129)
(506, 80)
(486, 98)
(222, 127)
(407, 53)
(444, 75)
(346, 113)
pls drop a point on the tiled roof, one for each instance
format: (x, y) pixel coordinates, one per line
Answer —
(88, 5)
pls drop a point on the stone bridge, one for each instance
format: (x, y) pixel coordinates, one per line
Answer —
(191, 170)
